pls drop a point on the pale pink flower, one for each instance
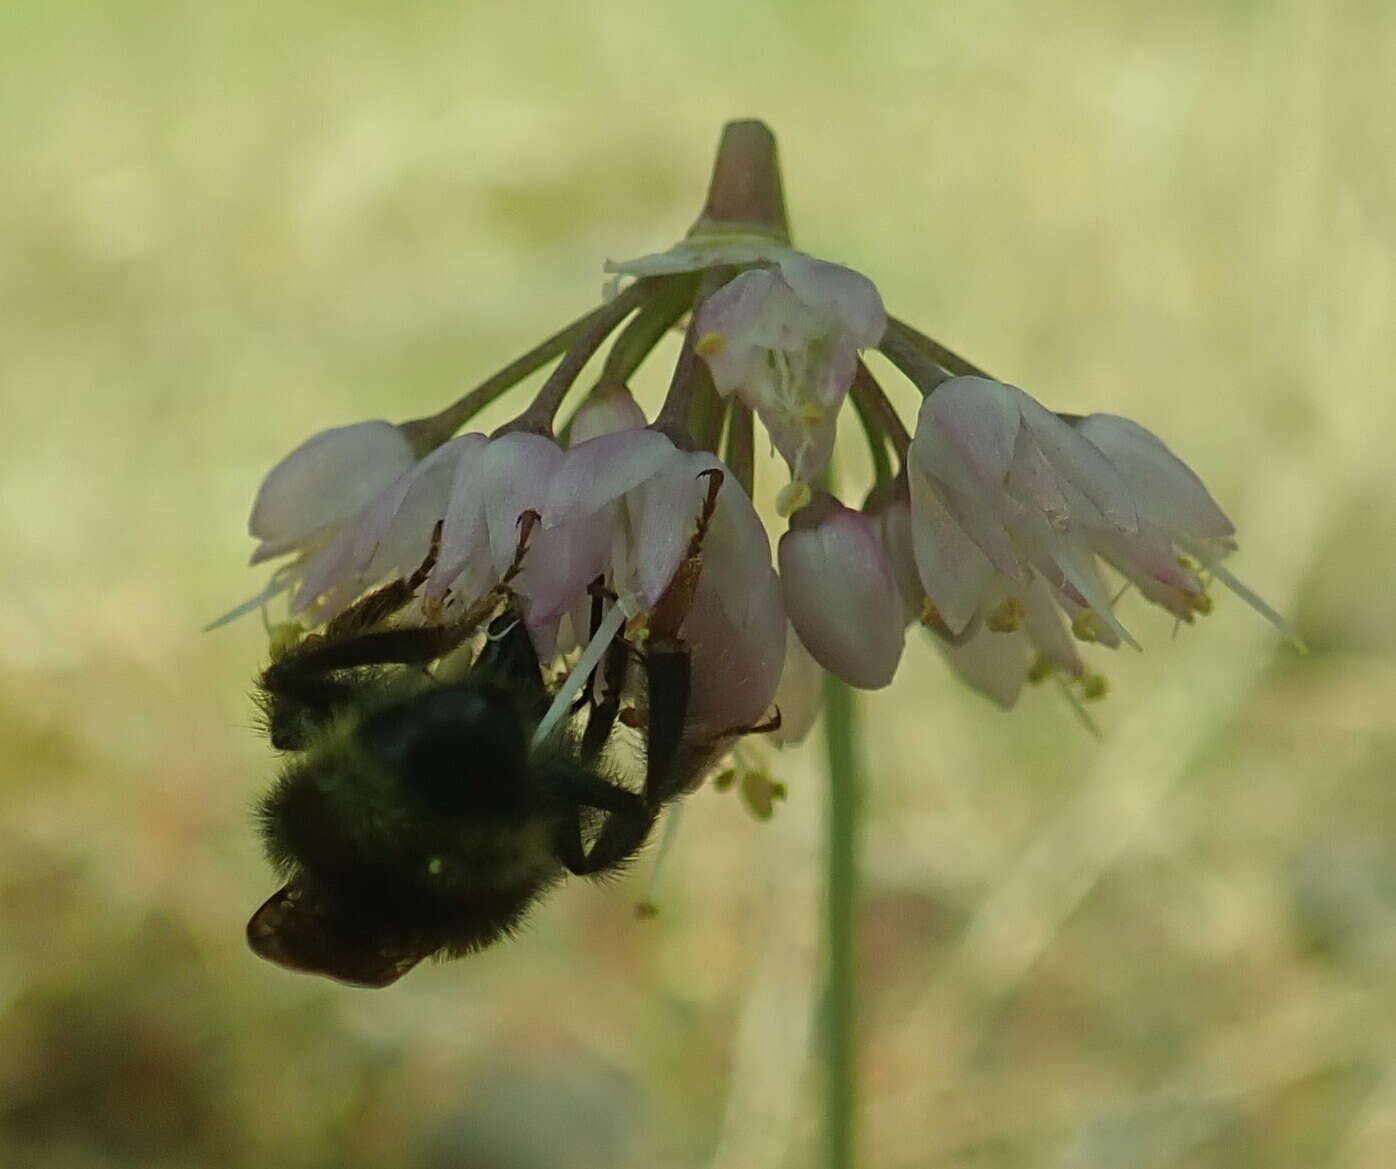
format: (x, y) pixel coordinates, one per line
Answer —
(330, 477)
(800, 694)
(389, 537)
(646, 496)
(840, 592)
(495, 484)
(994, 662)
(786, 341)
(1176, 514)
(1004, 493)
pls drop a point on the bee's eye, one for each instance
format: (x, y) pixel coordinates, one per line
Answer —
(459, 749)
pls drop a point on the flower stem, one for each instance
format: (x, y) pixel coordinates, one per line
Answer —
(927, 363)
(840, 1015)
(428, 433)
(690, 371)
(740, 454)
(538, 417)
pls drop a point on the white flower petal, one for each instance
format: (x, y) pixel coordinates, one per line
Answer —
(329, 477)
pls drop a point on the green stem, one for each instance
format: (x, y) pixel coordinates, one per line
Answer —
(840, 1014)
(741, 446)
(538, 417)
(927, 363)
(428, 433)
(647, 328)
(874, 432)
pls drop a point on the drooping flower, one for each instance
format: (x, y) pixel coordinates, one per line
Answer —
(1004, 492)
(647, 495)
(841, 593)
(323, 482)
(1183, 533)
(388, 537)
(784, 336)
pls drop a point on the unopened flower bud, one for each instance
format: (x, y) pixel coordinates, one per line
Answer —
(840, 593)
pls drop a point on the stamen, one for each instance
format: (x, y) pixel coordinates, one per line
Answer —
(793, 496)
(1085, 626)
(1094, 687)
(1040, 670)
(710, 345)
(590, 659)
(1006, 617)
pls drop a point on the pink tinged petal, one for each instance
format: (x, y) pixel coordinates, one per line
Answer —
(601, 470)
(840, 593)
(612, 409)
(966, 432)
(1042, 622)
(736, 665)
(516, 476)
(1169, 493)
(463, 563)
(995, 664)
(736, 548)
(843, 296)
(953, 569)
(516, 472)
(1081, 464)
(894, 532)
(800, 693)
(735, 313)
(663, 514)
(1079, 568)
(405, 537)
(329, 477)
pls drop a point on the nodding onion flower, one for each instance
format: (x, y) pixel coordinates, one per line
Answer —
(1008, 531)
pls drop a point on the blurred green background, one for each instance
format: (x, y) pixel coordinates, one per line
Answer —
(225, 226)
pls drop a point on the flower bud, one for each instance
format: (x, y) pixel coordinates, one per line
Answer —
(608, 408)
(841, 594)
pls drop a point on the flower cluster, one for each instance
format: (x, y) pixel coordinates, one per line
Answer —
(1007, 531)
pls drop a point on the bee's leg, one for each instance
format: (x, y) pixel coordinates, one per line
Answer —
(372, 610)
(668, 662)
(611, 673)
(509, 654)
(406, 646)
(625, 830)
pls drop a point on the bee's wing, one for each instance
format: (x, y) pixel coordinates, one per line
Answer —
(299, 930)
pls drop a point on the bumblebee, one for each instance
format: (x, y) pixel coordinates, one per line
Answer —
(415, 815)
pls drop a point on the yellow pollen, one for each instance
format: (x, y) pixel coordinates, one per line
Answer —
(793, 496)
(710, 345)
(1094, 687)
(724, 779)
(1201, 603)
(285, 637)
(1187, 563)
(930, 615)
(1085, 627)
(1040, 670)
(1006, 617)
(760, 794)
(435, 865)
(811, 413)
